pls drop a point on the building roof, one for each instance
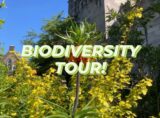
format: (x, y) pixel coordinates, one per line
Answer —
(11, 52)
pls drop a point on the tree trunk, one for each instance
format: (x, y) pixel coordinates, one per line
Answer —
(77, 95)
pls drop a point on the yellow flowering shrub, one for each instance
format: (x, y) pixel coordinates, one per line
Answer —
(108, 90)
(129, 21)
(126, 20)
(26, 94)
(25, 90)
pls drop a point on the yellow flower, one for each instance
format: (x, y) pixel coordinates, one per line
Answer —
(72, 98)
(26, 67)
(14, 98)
(52, 70)
(141, 8)
(121, 103)
(13, 114)
(139, 15)
(34, 72)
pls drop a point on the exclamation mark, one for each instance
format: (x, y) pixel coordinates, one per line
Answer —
(104, 68)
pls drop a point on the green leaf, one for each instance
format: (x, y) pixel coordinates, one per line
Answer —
(2, 4)
(54, 104)
(1, 21)
(89, 111)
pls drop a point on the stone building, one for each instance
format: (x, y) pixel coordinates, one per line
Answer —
(153, 27)
(10, 59)
(95, 11)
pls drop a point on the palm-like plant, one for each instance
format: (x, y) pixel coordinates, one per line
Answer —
(88, 112)
(80, 34)
(60, 112)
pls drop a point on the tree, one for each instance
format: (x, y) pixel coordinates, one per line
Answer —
(2, 4)
(57, 25)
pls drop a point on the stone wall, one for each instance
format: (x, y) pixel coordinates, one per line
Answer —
(154, 31)
(90, 10)
(153, 27)
(111, 4)
(95, 11)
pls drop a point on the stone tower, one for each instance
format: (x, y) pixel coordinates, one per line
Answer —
(95, 11)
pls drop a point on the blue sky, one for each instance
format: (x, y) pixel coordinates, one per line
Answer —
(22, 16)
